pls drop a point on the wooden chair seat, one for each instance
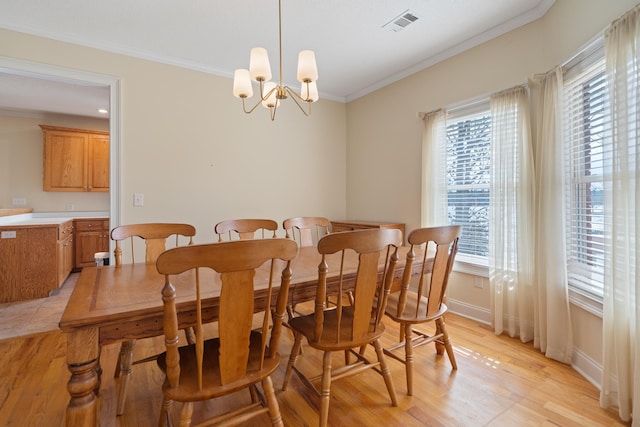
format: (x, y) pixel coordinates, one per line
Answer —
(329, 340)
(188, 388)
(414, 305)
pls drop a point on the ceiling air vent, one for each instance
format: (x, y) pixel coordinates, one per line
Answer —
(401, 21)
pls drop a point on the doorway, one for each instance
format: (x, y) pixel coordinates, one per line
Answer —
(78, 86)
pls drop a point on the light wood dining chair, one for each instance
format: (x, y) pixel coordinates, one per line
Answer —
(245, 229)
(350, 325)
(155, 237)
(241, 356)
(410, 307)
(306, 230)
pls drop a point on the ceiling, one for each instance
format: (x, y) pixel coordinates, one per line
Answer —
(355, 54)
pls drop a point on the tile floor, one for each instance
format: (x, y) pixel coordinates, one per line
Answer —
(35, 316)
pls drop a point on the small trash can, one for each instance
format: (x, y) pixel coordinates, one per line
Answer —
(101, 258)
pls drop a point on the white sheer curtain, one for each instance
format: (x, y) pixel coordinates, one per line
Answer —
(434, 189)
(511, 224)
(621, 304)
(552, 320)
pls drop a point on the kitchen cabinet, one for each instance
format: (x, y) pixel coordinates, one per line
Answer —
(91, 236)
(75, 159)
(65, 251)
(33, 260)
(349, 225)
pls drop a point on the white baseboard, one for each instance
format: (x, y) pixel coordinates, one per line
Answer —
(587, 367)
(474, 312)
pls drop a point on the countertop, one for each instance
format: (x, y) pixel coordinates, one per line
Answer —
(14, 211)
(46, 218)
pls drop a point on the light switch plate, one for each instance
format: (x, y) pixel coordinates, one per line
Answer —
(138, 199)
(8, 234)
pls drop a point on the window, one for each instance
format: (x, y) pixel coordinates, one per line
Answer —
(468, 154)
(586, 126)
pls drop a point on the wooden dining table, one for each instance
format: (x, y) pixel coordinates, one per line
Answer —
(115, 303)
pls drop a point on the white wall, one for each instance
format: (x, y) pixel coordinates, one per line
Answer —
(384, 134)
(197, 158)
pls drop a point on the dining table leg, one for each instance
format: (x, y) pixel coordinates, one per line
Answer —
(84, 364)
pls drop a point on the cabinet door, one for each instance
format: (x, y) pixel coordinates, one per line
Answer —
(98, 163)
(28, 263)
(65, 259)
(87, 244)
(65, 161)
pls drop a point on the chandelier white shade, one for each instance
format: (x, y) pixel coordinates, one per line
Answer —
(270, 92)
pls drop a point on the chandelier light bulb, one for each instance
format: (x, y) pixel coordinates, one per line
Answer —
(242, 84)
(270, 101)
(259, 67)
(307, 69)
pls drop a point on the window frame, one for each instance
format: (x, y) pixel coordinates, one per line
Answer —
(469, 263)
(585, 282)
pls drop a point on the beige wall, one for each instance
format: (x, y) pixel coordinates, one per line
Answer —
(21, 155)
(197, 158)
(384, 133)
(188, 147)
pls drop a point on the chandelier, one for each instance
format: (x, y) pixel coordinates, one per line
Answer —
(270, 92)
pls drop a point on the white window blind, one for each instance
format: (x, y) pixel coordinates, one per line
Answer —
(588, 147)
(468, 173)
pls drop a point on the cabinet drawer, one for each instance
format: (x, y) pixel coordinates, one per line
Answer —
(92, 225)
(65, 230)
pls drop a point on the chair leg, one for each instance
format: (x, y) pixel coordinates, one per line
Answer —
(439, 344)
(325, 392)
(165, 412)
(185, 414)
(190, 335)
(386, 373)
(295, 351)
(291, 313)
(272, 402)
(408, 358)
(447, 343)
(126, 359)
(253, 393)
(116, 373)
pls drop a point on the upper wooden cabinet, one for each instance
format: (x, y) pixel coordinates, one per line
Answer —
(75, 159)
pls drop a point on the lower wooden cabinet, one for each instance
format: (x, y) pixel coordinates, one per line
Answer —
(29, 267)
(65, 251)
(36, 259)
(91, 236)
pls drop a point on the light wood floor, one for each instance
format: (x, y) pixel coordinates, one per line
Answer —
(499, 382)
